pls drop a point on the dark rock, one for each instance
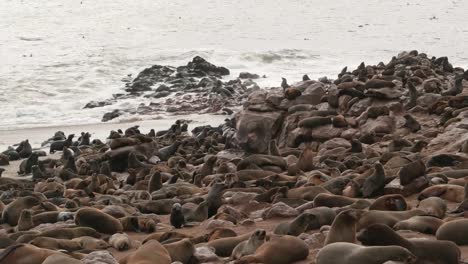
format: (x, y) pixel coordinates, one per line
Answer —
(94, 104)
(247, 75)
(111, 115)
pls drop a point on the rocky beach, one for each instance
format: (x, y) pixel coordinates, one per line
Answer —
(368, 166)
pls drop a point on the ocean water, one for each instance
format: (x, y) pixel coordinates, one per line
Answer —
(57, 55)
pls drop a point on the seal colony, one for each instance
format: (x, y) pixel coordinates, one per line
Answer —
(353, 170)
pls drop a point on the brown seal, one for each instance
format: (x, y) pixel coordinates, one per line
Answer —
(54, 243)
(332, 200)
(448, 192)
(220, 232)
(282, 250)
(349, 253)
(224, 246)
(91, 243)
(150, 252)
(426, 251)
(295, 227)
(422, 224)
(25, 254)
(389, 218)
(138, 224)
(12, 211)
(155, 182)
(454, 231)
(120, 241)
(307, 193)
(375, 183)
(60, 259)
(343, 228)
(250, 246)
(25, 221)
(434, 206)
(100, 221)
(182, 250)
(389, 202)
(305, 159)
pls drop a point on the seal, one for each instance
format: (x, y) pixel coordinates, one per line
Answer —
(250, 246)
(305, 159)
(91, 243)
(150, 252)
(422, 224)
(453, 231)
(349, 253)
(221, 232)
(448, 192)
(295, 227)
(343, 228)
(26, 165)
(224, 246)
(61, 258)
(426, 251)
(307, 193)
(214, 198)
(25, 254)
(315, 121)
(55, 244)
(25, 149)
(155, 182)
(177, 218)
(375, 183)
(292, 93)
(25, 221)
(199, 214)
(389, 218)
(98, 220)
(181, 251)
(389, 202)
(434, 206)
(12, 212)
(120, 241)
(58, 145)
(283, 250)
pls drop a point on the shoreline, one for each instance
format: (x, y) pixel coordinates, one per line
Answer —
(37, 135)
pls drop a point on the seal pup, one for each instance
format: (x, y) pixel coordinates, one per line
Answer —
(349, 253)
(411, 123)
(25, 221)
(282, 250)
(343, 228)
(181, 251)
(374, 183)
(250, 246)
(120, 241)
(155, 182)
(214, 198)
(426, 251)
(177, 218)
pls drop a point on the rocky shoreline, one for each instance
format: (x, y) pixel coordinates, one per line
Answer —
(195, 87)
(318, 171)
